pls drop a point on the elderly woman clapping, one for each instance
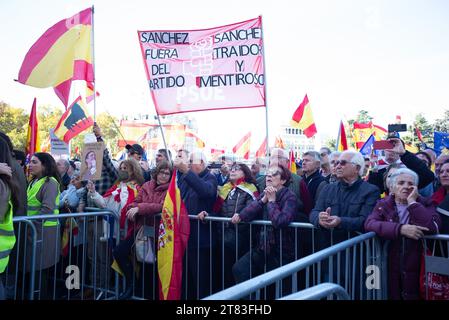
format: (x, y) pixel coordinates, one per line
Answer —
(403, 217)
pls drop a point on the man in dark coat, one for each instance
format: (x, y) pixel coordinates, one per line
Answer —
(314, 180)
(341, 210)
(343, 206)
(198, 191)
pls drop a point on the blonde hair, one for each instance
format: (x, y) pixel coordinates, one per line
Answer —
(136, 171)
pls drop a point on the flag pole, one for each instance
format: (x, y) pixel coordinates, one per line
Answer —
(93, 65)
(116, 127)
(163, 137)
(265, 86)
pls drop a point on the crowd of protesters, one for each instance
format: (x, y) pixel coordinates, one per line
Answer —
(397, 196)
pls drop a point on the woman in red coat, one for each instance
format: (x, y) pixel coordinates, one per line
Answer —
(148, 203)
(403, 217)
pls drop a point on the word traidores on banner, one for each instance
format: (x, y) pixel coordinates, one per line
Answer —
(207, 69)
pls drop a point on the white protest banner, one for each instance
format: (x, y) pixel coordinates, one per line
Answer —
(57, 146)
(198, 70)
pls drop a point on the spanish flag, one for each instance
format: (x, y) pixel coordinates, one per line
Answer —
(303, 119)
(174, 231)
(242, 147)
(198, 142)
(216, 153)
(74, 121)
(60, 55)
(70, 230)
(279, 143)
(33, 143)
(342, 143)
(361, 133)
(262, 151)
(419, 134)
(379, 132)
(292, 163)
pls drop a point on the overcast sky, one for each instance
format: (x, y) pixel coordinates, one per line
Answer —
(389, 57)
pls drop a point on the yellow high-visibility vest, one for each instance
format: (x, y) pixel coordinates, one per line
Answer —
(7, 238)
(34, 205)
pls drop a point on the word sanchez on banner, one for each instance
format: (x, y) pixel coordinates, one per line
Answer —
(197, 70)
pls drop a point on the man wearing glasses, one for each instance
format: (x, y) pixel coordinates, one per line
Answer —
(343, 206)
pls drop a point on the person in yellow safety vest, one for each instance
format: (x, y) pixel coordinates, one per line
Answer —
(43, 199)
(8, 200)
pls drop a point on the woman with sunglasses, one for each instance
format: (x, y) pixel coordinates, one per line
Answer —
(233, 197)
(278, 204)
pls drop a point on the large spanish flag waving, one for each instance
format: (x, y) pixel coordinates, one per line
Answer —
(60, 55)
(174, 231)
(303, 119)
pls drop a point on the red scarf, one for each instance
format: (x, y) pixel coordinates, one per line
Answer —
(439, 195)
(133, 189)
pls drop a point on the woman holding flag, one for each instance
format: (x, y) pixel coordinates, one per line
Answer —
(140, 212)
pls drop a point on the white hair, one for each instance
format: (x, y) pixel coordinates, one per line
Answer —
(356, 159)
(279, 153)
(335, 154)
(401, 171)
(198, 156)
(65, 161)
(315, 155)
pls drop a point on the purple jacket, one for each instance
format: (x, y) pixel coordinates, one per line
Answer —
(281, 213)
(404, 257)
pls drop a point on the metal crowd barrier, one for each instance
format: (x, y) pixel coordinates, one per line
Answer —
(216, 253)
(353, 276)
(146, 285)
(42, 267)
(320, 291)
(437, 262)
(438, 259)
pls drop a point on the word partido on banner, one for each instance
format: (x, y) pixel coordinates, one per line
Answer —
(197, 70)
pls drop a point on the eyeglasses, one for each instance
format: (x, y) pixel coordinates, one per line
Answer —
(342, 162)
(235, 168)
(273, 173)
(323, 154)
(164, 173)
